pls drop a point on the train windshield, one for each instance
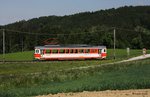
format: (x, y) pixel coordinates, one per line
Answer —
(102, 51)
(105, 50)
(37, 51)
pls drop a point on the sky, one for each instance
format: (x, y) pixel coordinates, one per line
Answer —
(16, 10)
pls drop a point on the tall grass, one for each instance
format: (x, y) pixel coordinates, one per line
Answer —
(39, 67)
(131, 75)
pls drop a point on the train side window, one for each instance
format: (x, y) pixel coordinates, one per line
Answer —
(81, 51)
(48, 51)
(61, 51)
(55, 51)
(93, 50)
(75, 51)
(87, 50)
(96, 50)
(67, 50)
(71, 50)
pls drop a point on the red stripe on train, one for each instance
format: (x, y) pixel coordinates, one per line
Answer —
(37, 55)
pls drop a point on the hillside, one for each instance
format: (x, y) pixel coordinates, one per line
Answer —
(132, 28)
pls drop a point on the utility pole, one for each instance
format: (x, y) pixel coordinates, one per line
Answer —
(114, 43)
(22, 44)
(3, 45)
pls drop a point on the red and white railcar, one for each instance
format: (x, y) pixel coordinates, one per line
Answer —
(72, 52)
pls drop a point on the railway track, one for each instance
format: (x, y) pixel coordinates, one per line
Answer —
(40, 61)
(32, 61)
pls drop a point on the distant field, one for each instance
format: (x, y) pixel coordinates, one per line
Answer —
(28, 55)
(19, 56)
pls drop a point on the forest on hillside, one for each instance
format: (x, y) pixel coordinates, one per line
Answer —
(132, 24)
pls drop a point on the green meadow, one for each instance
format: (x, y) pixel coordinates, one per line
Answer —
(39, 78)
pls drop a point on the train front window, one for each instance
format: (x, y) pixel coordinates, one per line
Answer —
(37, 51)
(105, 50)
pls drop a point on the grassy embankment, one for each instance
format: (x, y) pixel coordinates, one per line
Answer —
(22, 79)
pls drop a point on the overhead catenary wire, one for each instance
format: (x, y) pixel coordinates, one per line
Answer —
(31, 33)
(65, 34)
(3, 45)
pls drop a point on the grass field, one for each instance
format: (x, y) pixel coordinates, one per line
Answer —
(29, 79)
(19, 56)
(131, 75)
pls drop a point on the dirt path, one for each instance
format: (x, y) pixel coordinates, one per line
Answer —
(123, 61)
(108, 93)
(139, 57)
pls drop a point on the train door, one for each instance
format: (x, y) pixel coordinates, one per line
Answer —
(100, 52)
(42, 52)
(103, 53)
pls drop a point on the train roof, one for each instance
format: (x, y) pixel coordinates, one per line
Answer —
(69, 46)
